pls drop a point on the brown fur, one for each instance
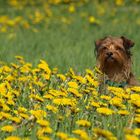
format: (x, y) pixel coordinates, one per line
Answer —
(114, 59)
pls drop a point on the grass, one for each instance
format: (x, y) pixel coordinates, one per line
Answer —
(65, 46)
(40, 103)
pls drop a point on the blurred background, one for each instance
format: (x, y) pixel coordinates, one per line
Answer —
(63, 32)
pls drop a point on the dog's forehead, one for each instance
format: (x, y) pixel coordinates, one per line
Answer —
(113, 40)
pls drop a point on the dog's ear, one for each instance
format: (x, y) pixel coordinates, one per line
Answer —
(98, 43)
(127, 43)
(97, 46)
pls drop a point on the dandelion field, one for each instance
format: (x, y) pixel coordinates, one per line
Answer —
(40, 103)
(52, 92)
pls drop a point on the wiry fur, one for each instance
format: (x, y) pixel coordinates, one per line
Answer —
(114, 59)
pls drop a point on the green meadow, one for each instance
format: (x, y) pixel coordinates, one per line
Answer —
(49, 88)
(66, 39)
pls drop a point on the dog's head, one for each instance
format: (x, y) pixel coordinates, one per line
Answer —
(113, 51)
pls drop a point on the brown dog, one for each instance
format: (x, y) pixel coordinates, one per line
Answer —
(114, 59)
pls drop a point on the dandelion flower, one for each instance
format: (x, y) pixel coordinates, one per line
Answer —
(73, 85)
(81, 133)
(104, 133)
(104, 111)
(13, 138)
(43, 122)
(8, 128)
(83, 123)
(123, 112)
(62, 135)
(137, 131)
(131, 137)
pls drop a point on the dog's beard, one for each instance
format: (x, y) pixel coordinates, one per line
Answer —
(116, 67)
(111, 64)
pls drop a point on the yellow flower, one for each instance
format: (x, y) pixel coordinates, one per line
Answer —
(39, 114)
(62, 77)
(55, 1)
(5, 107)
(10, 102)
(25, 69)
(104, 133)
(48, 96)
(92, 81)
(19, 57)
(82, 134)
(44, 66)
(93, 20)
(116, 89)
(71, 72)
(8, 128)
(95, 104)
(3, 88)
(137, 120)
(105, 97)
(62, 135)
(64, 101)
(74, 92)
(104, 111)
(43, 122)
(136, 103)
(131, 137)
(123, 112)
(73, 85)
(54, 70)
(22, 110)
(72, 139)
(41, 131)
(5, 115)
(83, 123)
(116, 101)
(80, 79)
(38, 17)
(137, 110)
(44, 138)
(71, 9)
(135, 99)
(46, 76)
(57, 93)
(3, 29)
(137, 131)
(36, 97)
(119, 2)
(13, 138)
(15, 119)
(10, 78)
(90, 72)
(135, 88)
(23, 115)
(52, 108)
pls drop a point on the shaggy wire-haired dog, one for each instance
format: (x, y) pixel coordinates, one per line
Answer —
(114, 60)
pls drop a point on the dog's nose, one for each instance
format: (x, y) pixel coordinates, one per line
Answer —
(109, 54)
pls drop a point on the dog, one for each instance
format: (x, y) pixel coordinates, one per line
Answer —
(113, 58)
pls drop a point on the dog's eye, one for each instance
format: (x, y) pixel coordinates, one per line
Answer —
(104, 48)
(119, 49)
